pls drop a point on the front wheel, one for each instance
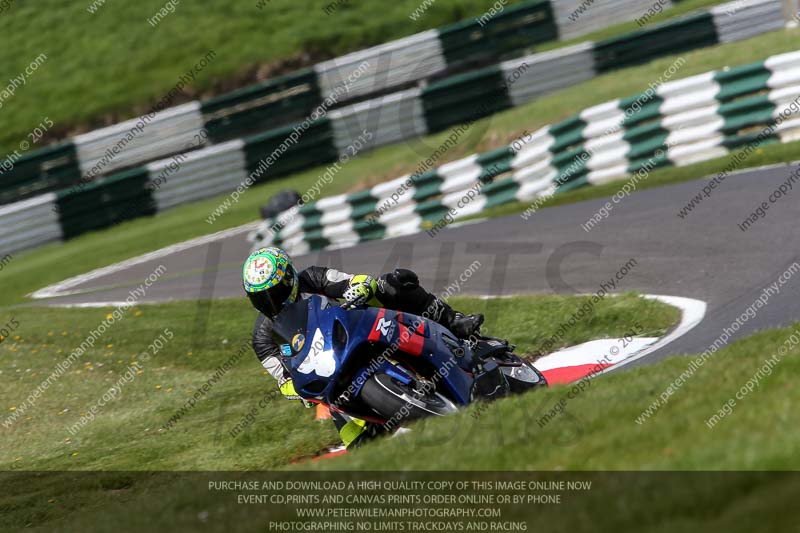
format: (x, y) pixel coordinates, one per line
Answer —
(397, 402)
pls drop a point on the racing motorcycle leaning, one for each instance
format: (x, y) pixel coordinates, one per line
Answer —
(387, 367)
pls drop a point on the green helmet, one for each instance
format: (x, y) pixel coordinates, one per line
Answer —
(270, 280)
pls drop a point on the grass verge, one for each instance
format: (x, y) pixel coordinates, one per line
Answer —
(128, 434)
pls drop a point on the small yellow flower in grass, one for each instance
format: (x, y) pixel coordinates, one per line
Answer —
(188, 353)
(139, 372)
(18, 459)
(51, 500)
(158, 387)
(49, 333)
(169, 389)
(74, 454)
(63, 333)
(109, 345)
(12, 408)
(109, 316)
(137, 313)
(17, 337)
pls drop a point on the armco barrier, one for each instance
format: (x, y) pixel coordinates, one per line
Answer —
(261, 107)
(39, 171)
(389, 119)
(579, 17)
(129, 143)
(498, 34)
(198, 175)
(393, 64)
(680, 122)
(479, 41)
(674, 37)
(276, 155)
(105, 202)
(29, 223)
(539, 74)
(742, 20)
(388, 209)
(465, 97)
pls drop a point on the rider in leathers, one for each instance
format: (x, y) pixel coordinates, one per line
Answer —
(271, 282)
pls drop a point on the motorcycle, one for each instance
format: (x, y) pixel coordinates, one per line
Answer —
(387, 366)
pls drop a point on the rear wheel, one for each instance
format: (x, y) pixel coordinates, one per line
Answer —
(395, 401)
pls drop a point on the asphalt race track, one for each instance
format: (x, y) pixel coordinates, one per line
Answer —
(704, 256)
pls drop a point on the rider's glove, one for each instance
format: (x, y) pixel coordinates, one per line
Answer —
(287, 389)
(361, 290)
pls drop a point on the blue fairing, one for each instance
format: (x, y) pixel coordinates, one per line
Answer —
(331, 336)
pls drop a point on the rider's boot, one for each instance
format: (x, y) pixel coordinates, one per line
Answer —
(463, 326)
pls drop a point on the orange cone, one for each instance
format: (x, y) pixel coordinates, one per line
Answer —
(323, 413)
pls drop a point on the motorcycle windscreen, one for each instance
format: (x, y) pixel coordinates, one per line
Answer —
(290, 322)
(309, 357)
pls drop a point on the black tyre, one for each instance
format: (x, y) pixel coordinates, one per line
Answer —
(395, 401)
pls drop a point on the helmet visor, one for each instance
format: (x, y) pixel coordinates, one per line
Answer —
(270, 301)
